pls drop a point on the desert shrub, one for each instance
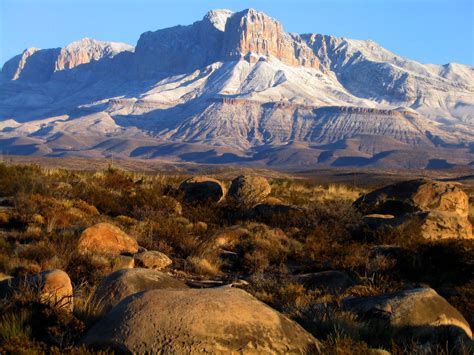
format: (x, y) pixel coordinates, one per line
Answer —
(27, 323)
(264, 248)
(166, 231)
(208, 266)
(38, 252)
(87, 268)
(19, 179)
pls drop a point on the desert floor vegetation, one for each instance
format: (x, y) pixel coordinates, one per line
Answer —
(44, 211)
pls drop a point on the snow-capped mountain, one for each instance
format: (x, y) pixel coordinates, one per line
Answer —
(236, 88)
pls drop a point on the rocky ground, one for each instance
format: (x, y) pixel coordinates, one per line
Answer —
(135, 263)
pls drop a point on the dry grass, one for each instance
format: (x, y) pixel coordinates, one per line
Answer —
(49, 208)
(304, 192)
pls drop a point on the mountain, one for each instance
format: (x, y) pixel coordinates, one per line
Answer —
(236, 88)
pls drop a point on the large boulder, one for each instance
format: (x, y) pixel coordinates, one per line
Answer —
(420, 195)
(202, 189)
(152, 259)
(54, 288)
(216, 320)
(440, 209)
(123, 283)
(105, 238)
(248, 191)
(420, 312)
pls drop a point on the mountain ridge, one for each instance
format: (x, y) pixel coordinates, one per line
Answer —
(237, 85)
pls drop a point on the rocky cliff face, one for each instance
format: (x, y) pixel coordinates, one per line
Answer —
(38, 65)
(250, 34)
(220, 36)
(87, 50)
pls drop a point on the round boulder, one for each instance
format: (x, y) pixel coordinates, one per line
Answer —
(122, 283)
(421, 312)
(54, 287)
(218, 320)
(105, 238)
(152, 259)
(248, 191)
(202, 189)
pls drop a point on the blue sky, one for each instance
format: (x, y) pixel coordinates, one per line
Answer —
(430, 31)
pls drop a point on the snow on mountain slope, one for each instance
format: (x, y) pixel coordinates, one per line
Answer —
(236, 88)
(37, 65)
(368, 70)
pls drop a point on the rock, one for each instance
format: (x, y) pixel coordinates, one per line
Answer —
(152, 260)
(122, 283)
(250, 33)
(202, 189)
(443, 225)
(105, 238)
(248, 191)
(378, 352)
(123, 262)
(415, 196)
(440, 209)
(334, 281)
(54, 287)
(420, 311)
(381, 220)
(216, 320)
(4, 276)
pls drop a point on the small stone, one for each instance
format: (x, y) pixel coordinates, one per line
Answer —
(152, 259)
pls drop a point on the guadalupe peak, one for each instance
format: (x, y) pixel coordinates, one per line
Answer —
(252, 33)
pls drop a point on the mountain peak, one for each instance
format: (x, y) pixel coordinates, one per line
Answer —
(218, 18)
(86, 50)
(253, 34)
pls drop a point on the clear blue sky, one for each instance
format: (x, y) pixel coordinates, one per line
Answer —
(430, 31)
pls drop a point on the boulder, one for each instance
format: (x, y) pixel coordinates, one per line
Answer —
(332, 280)
(248, 191)
(105, 238)
(415, 196)
(215, 320)
(381, 220)
(443, 225)
(4, 276)
(420, 312)
(202, 189)
(54, 287)
(122, 283)
(440, 209)
(152, 259)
